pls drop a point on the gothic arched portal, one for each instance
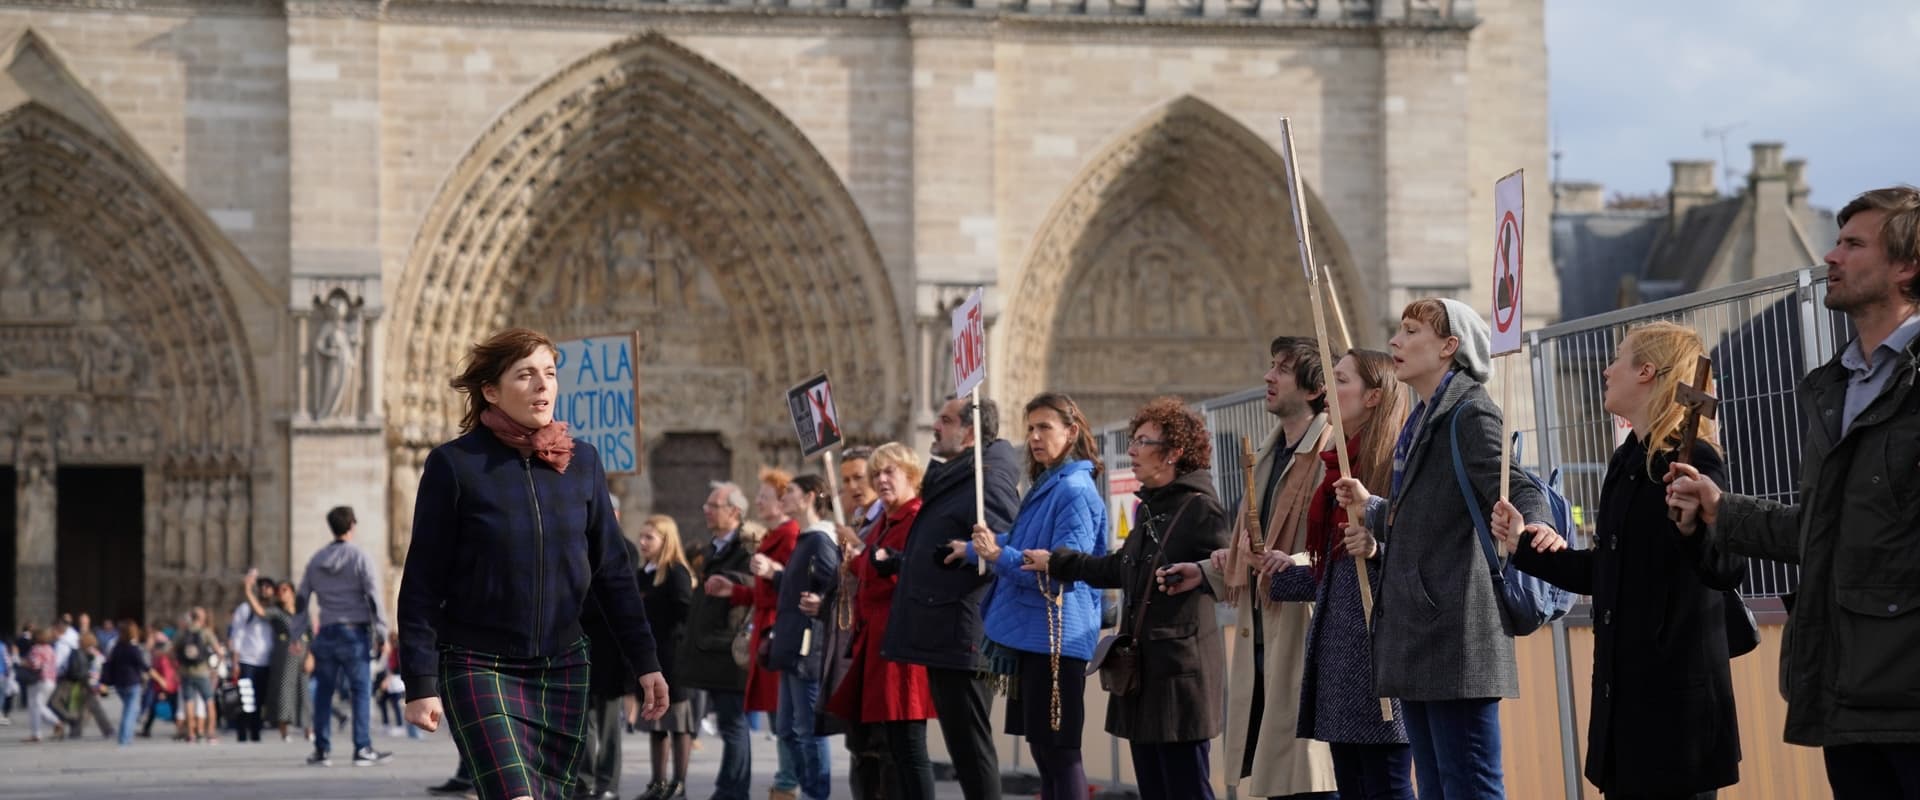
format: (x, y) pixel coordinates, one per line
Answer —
(1166, 269)
(644, 188)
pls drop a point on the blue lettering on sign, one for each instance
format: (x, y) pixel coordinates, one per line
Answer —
(596, 398)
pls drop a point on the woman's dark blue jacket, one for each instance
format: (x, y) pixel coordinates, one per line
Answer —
(506, 554)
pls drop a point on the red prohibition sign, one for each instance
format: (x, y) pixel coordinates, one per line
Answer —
(1506, 270)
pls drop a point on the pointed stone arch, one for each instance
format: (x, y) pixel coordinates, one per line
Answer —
(1166, 268)
(647, 154)
(121, 341)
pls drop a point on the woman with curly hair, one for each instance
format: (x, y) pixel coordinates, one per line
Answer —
(1174, 710)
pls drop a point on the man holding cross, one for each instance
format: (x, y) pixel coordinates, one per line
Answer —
(1847, 662)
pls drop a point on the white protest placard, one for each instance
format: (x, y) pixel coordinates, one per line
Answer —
(815, 419)
(1509, 240)
(599, 396)
(969, 345)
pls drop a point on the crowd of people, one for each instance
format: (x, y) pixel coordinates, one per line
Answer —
(260, 676)
(535, 629)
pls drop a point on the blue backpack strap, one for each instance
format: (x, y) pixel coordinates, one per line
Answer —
(1471, 497)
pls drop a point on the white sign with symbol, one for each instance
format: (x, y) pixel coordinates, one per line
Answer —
(1509, 240)
(969, 346)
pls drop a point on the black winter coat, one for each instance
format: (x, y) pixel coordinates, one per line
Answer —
(936, 608)
(1663, 720)
(608, 675)
(813, 567)
(1182, 658)
(704, 659)
(507, 554)
(667, 604)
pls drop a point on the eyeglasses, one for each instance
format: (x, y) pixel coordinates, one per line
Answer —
(713, 506)
(1142, 441)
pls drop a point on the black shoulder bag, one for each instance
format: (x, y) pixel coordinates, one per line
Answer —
(1117, 656)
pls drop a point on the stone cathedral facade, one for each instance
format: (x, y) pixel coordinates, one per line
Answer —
(244, 243)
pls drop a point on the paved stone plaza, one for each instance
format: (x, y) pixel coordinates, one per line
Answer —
(96, 769)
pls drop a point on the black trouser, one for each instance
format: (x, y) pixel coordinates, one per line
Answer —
(1375, 771)
(1874, 771)
(247, 724)
(960, 697)
(906, 743)
(600, 765)
(1173, 770)
(870, 774)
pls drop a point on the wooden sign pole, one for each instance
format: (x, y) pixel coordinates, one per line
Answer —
(833, 488)
(1355, 515)
(979, 474)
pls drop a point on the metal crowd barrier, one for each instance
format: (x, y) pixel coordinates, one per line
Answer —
(1762, 334)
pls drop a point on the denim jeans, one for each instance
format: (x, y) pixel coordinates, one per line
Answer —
(736, 757)
(1373, 771)
(799, 701)
(1456, 749)
(340, 653)
(129, 711)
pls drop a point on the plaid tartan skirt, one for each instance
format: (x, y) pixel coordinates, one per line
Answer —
(520, 723)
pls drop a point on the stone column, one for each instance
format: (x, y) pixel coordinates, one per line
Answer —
(36, 498)
(1424, 121)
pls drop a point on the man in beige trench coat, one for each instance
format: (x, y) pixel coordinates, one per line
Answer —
(1263, 756)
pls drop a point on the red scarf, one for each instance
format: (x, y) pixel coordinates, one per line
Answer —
(1326, 520)
(551, 443)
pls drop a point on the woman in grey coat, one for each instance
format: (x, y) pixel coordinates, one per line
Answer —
(1437, 641)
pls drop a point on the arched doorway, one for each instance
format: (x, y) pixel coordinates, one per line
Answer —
(128, 403)
(646, 189)
(1166, 269)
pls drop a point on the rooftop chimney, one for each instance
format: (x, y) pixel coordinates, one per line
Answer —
(1797, 189)
(1579, 197)
(1692, 187)
(1766, 161)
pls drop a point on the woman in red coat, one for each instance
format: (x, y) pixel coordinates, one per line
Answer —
(888, 694)
(763, 687)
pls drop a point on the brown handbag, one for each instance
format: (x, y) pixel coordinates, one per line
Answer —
(1117, 656)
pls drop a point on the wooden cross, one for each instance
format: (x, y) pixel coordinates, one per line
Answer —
(1699, 403)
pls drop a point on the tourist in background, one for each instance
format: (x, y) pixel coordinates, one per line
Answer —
(705, 659)
(667, 583)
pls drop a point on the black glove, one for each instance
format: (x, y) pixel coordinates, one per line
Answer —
(886, 567)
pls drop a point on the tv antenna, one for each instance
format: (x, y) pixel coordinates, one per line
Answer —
(1722, 132)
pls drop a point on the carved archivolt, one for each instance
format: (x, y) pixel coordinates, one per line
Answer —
(1189, 198)
(645, 188)
(106, 291)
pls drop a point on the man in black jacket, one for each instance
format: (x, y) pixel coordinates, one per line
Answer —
(936, 608)
(706, 654)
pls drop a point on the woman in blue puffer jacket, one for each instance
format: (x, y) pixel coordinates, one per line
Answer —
(1029, 616)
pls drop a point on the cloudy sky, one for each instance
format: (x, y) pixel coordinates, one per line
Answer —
(1635, 83)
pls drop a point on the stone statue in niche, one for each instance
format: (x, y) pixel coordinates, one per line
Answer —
(37, 497)
(336, 356)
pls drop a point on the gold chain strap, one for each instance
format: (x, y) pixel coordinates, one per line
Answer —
(1055, 622)
(843, 606)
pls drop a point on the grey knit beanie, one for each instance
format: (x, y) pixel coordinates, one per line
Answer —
(1476, 340)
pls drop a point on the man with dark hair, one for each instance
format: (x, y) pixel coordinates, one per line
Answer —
(350, 630)
(1299, 355)
(935, 620)
(1847, 661)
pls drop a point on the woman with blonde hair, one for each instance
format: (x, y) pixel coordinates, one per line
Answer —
(1662, 723)
(891, 696)
(666, 582)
